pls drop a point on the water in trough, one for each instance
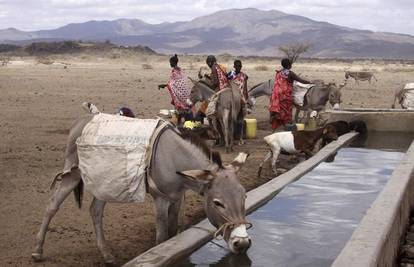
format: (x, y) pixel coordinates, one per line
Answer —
(309, 222)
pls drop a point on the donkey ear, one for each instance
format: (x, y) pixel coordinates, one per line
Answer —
(191, 79)
(239, 161)
(198, 176)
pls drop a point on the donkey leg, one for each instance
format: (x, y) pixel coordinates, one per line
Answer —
(225, 126)
(96, 209)
(219, 130)
(162, 205)
(69, 182)
(231, 133)
(241, 141)
(173, 216)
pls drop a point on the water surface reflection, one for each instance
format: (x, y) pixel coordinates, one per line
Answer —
(309, 222)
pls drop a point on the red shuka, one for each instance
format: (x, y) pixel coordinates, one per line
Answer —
(281, 100)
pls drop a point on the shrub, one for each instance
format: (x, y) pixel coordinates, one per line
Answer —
(261, 68)
(147, 67)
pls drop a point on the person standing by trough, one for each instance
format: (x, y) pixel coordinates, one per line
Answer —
(281, 101)
(179, 90)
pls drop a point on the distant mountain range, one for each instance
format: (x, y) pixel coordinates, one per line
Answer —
(234, 31)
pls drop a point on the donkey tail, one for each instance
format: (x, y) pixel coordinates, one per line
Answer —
(58, 177)
(78, 194)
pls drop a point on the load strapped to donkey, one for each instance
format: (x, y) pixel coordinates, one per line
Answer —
(114, 154)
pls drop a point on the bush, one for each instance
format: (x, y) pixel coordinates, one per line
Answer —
(8, 48)
(261, 68)
(4, 60)
(44, 60)
(53, 47)
(147, 67)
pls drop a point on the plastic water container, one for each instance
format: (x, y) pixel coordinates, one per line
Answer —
(311, 125)
(251, 128)
(300, 126)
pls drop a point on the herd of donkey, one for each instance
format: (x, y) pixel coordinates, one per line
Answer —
(180, 161)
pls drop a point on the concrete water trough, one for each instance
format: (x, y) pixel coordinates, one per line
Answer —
(379, 228)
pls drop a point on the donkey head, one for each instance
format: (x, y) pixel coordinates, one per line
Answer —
(335, 95)
(224, 199)
(199, 92)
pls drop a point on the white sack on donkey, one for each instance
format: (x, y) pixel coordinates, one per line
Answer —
(112, 153)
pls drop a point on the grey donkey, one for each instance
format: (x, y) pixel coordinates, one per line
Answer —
(177, 164)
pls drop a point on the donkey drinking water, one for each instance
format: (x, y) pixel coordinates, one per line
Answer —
(229, 109)
(177, 164)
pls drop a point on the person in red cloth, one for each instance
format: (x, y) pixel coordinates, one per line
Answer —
(217, 80)
(240, 79)
(179, 90)
(280, 107)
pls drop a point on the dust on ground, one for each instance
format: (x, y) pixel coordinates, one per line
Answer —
(38, 103)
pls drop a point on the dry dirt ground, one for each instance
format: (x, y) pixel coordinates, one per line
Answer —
(38, 103)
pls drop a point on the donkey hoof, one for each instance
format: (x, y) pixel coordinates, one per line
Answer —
(37, 257)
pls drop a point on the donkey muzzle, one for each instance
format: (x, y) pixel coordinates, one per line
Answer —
(239, 241)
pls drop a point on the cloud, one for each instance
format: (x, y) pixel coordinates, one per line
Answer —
(378, 15)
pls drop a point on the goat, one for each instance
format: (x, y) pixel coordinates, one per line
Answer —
(360, 75)
(295, 142)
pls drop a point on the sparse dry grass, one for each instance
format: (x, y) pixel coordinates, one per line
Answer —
(44, 60)
(147, 66)
(4, 60)
(261, 68)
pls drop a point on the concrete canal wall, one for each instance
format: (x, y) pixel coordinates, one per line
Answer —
(191, 239)
(377, 239)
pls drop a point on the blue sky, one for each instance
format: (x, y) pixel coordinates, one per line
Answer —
(377, 15)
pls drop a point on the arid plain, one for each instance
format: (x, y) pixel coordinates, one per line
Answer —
(38, 103)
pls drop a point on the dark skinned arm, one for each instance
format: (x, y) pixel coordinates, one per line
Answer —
(293, 77)
(245, 92)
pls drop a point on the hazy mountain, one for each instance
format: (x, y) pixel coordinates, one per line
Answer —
(236, 31)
